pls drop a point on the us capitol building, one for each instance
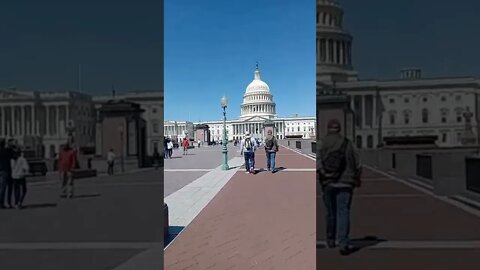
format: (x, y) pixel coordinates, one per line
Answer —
(257, 108)
(412, 105)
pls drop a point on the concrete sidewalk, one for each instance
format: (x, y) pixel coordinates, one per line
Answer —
(398, 226)
(262, 221)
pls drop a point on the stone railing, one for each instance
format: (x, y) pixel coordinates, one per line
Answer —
(306, 146)
(450, 171)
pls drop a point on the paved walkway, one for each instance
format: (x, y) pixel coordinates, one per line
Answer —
(112, 223)
(401, 226)
(261, 221)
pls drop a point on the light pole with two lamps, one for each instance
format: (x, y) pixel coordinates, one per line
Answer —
(224, 103)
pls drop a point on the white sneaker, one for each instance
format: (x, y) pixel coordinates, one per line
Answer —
(247, 172)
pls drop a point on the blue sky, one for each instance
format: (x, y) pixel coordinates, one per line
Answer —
(42, 43)
(439, 36)
(211, 48)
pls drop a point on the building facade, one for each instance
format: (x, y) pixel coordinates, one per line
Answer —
(408, 106)
(257, 107)
(46, 118)
(43, 120)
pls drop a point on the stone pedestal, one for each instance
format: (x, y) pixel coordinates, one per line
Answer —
(334, 106)
(269, 125)
(121, 128)
(202, 133)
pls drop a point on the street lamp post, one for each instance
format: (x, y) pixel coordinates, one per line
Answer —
(224, 103)
(122, 165)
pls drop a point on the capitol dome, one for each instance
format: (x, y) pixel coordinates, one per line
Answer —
(257, 101)
(257, 84)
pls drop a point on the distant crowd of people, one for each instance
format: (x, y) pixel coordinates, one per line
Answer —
(13, 171)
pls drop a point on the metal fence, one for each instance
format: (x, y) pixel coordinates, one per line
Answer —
(472, 166)
(424, 166)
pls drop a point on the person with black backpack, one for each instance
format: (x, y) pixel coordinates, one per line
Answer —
(248, 147)
(339, 172)
(271, 149)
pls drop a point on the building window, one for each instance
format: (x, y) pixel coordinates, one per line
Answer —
(444, 99)
(392, 118)
(444, 137)
(154, 110)
(392, 101)
(425, 99)
(458, 98)
(425, 116)
(298, 129)
(407, 100)
(406, 118)
(459, 117)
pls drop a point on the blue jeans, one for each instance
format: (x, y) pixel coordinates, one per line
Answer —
(338, 202)
(271, 160)
(249, 160)
(3, 186)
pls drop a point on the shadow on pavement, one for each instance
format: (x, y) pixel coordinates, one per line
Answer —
(86, 196)
(173, 231)
(39, 205)
(358, 243)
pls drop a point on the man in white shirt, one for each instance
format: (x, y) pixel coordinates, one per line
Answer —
(248, 147)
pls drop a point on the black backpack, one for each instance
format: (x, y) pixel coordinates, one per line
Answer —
(335, 161)
(248, 144)
(269, 143)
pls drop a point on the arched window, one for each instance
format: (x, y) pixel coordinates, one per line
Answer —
(392, 116)
(406, 117)
(358, 141)
(444, 113)
(370, 142)
(425, 115)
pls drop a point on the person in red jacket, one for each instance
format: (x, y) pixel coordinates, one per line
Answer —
(67, 162)
(185, 144)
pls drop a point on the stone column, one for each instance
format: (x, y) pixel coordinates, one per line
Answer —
(341, 52)
(47, 117)
(24, 122)
(363, 112)
(57, 108)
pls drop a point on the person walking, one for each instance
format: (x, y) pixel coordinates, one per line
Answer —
(185, 144)
(6, 155)
(339, 172)
(110, 162)
(271, 149)
(67, 162)
(169, 148)
(248, 146)
(20, 170)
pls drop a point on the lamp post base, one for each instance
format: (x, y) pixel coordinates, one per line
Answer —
(225, 167)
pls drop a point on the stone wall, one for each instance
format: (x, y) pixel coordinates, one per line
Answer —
(448, 166)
